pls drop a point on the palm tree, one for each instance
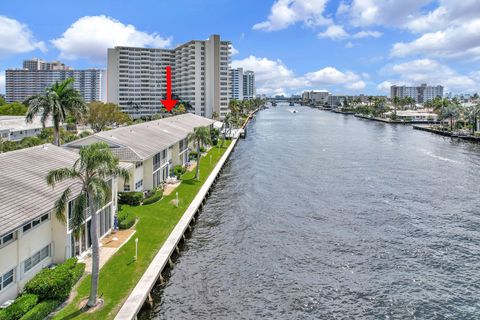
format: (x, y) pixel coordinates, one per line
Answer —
(396, 102)
(95, 165)
(58, 101)
(200, 136)
(449, 111)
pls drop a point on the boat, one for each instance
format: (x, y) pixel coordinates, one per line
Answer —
(291, 104)
(274, 104)
(293, 110)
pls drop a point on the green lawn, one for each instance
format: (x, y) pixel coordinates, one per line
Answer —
(121, 273)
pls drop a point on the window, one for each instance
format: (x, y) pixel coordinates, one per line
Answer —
(7, 238)
(138, 164)
(36, 258)
(6, 279)
(34, 223)
(126, 188)
(139, 184)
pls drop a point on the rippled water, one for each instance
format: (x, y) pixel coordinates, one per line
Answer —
(326, 216)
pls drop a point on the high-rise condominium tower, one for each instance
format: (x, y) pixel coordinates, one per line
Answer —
(421, 93)
(249, 91)
(37, 75)
(200, 75)
(236, 80)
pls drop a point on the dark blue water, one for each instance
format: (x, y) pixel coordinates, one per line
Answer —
(326, 216)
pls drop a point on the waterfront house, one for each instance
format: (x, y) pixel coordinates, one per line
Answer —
(413, 115)
(31, 238)
(151, 148)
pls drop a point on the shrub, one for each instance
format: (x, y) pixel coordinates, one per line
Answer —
(193, 155)
(202, 149)
(41, 310)
(21, 306)
(130, 198)
(77, 271)
(127, 222)
(54, 284)
(154, 198)
(178, 170)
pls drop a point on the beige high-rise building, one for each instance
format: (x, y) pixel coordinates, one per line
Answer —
(200, 75)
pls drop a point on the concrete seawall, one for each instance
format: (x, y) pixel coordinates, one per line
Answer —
(153, 274)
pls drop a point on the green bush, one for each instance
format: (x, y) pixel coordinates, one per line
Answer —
(41, 310)
(77, 271)
(21, 306)
(55, 284)
(202, 149)
(193, 155)
(127, 222)
(3, 314)
(178, 170)
(154, 198)
(130, 198)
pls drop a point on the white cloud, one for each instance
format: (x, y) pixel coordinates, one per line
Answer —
(374, 12)
(366, 34)
(16, 37)
(462, 41)
(274, 77)
(2, 82)
(90, 36)
(285, 13)
(349, 45)
(432, 72)
(332, 76)
(234, 51)
(334, 32)
(271, 76)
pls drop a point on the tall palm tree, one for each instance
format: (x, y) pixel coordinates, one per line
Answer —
(449, 111)
(95, 165)
(200, 136)
(58, 101)
(396, 102)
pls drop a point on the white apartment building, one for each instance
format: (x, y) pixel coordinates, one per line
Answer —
(421, 94)
(249, 90)
(136, 77)
(31, 238)
(38, 75)
(15, 128)
(148, 150)
(316, 97)
(236, 80)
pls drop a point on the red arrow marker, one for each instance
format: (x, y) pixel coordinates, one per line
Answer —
(169, 103)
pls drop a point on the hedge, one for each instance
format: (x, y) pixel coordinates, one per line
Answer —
(41, 310)
(130, 198)
(20, 307)
(193, 154)
(128, 220)
(77, 271)
(56, 283)
(154, 198)
(178, 170)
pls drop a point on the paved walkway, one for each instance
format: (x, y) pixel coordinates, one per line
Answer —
(139, 295)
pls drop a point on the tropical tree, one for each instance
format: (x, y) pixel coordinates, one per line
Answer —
(449, 111)
(200, 136)
(396, 103)
(58, 101)
(102, 115)
(13, 109)
(95, 165)
(472, 113)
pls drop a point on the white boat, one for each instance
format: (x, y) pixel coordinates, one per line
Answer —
(293, 110)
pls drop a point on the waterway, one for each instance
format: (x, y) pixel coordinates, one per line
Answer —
(325, 216)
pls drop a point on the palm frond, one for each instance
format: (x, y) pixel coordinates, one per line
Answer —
(61, 205)
(61, 174)
(78, 212)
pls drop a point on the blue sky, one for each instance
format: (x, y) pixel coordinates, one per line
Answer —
(351, 46)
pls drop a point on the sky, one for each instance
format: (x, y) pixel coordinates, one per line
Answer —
(345, 47)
